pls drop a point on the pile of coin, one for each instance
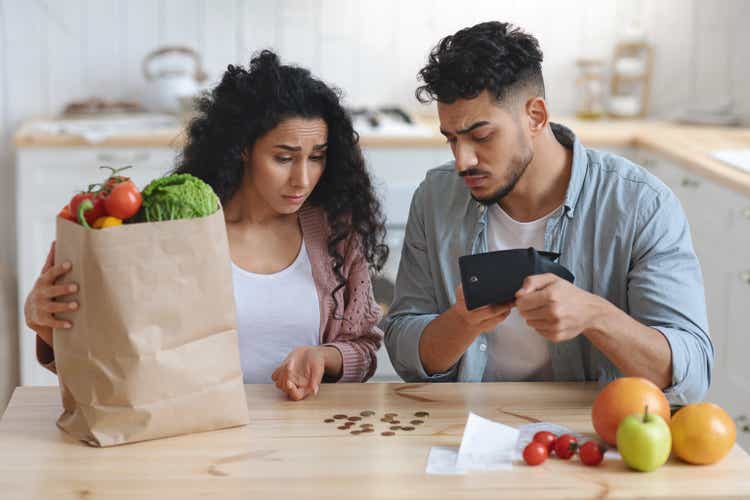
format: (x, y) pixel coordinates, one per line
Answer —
(392, 421)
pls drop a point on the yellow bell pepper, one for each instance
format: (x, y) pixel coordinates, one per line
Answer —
(107, 221)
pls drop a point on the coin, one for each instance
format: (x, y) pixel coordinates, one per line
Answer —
(387, 433)
(339, 417)
(407, 428)
(416, 422)
(391, 415)
(343, 427)
(396, 428)
(328, 420)
(367, 413)
(422, 414)
(354, 419)
(369, 429)
(355, 432)
(366, 426)
(395, 421)
(386, 420)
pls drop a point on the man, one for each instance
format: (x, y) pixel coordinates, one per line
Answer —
(637, 307)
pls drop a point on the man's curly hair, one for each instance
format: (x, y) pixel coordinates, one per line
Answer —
(493, 56)
(247, 104)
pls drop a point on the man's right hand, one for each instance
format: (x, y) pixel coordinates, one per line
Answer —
(40, 307)
(481, 319)
(447, 337)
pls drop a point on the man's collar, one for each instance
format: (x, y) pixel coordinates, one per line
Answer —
(568, 139)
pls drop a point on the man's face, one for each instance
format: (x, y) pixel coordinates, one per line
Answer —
(489, 143)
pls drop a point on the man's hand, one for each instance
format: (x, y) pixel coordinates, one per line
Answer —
(482, 319)
(447, 337)
(557, 309)
(300, 374)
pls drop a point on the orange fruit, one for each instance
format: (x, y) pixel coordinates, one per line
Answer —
(702, 433)
(622, 397)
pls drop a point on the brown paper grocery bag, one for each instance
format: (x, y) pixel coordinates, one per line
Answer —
(153, 350)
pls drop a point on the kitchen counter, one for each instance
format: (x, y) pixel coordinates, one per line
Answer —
(689, 145)
(288, 451)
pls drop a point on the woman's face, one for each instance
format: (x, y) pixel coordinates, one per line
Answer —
(286, 163)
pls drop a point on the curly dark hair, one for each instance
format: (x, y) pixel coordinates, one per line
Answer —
(247, 104)
(494, 56)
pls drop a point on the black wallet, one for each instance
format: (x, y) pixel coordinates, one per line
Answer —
(495, 277)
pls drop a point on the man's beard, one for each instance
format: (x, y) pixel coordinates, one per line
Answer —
(518, 166)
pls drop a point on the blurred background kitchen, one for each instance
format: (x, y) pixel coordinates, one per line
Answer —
(110, 82)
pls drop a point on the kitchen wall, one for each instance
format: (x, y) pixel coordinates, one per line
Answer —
(52, 52)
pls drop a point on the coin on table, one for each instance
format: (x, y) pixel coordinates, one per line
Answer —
(407, 428)
(387, 433)
(354, 419)
(422, 414)
(339, 417)
(395, 421)
(328, 420)
(386, 420)
(395, 427)
(369, 429)
(366, 426)
(367, 413)
(343, 427)
(356, 432)
(416, 422)
(391, 415)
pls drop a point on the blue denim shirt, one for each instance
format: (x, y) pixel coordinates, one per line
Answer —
(622, 233)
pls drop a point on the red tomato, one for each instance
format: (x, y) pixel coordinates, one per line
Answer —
(565, 446)
(65, 214)
(124, 201)
(535, 453)
(546, 438)
(114, 178)
(90, 215)
(591, 453)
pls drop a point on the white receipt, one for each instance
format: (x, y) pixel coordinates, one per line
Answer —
(488, 445)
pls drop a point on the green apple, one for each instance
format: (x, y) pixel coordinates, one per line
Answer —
(644, 441)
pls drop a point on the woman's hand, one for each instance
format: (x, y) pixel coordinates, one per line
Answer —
(40, 307)
(300, 374)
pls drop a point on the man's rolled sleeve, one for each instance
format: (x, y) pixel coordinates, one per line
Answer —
(665, 292)
(414, 304)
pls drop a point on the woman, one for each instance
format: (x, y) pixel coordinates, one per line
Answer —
(303, 224)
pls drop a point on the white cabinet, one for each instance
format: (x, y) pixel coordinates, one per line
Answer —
(46, 179)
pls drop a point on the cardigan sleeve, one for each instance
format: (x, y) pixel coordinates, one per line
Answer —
(358, 338)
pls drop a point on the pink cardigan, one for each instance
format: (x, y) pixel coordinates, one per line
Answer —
(353, 330)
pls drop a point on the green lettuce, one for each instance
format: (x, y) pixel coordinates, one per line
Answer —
(177, 196)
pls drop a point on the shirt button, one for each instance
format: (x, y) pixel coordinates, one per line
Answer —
(482, 347)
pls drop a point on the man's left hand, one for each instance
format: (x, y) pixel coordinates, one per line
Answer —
(555, 308)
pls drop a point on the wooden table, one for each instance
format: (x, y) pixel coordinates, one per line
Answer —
(289, 452)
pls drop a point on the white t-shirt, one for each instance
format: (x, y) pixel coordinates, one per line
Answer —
(276, 313)
(515, 352)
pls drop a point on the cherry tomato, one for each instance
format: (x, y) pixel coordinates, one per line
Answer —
(591, 453)
(565, 446)
(124, 201)
(90, 215)
(546, 438)
(535, 453)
